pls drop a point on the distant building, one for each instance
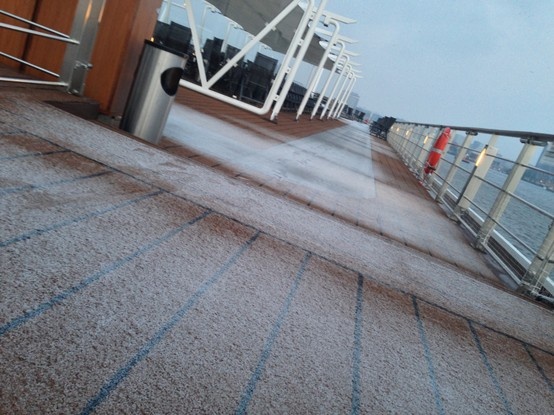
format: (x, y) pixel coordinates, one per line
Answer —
(353, 100)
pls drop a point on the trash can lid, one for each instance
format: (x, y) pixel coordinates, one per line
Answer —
(164, 47)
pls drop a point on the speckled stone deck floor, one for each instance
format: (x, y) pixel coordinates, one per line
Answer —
(139, 281)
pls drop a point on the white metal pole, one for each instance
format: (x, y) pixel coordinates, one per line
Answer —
(204, 87)
(347, 95)
(482, 166)
(328, 81)
(335, 87)
(540, 267)
(300, 57)
(414, 145)
(342, 97)
(315, 79)
(253, 42)
(504, 197)
(196, 43)
(405, 140)
(424, 151)
(342, 83)
(347, 74)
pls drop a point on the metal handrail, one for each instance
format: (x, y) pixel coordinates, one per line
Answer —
(408, 140)
(78, 51)
(504, 228)
(499, 188)
(15, 28)
(53, 34)
(39, 68)
(30, 22)
(506, 133)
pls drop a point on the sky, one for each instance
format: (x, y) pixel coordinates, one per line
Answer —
(476, 63)
(479, 63)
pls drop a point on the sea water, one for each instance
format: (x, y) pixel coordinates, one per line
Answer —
(528, 224)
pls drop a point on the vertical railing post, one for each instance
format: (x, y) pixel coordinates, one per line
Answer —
(541, 266)
(504, 197)
(392, 136)
(409, 144)
(76, 62)
(400, 135)
(406, 139)
(480, 170)
(493, 140)
(401, 138)
(430, 136)
(416, 147)
(424, 138)
(456, 165)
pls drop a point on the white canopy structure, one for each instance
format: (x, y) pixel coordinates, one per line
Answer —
(254, 15)
(287, 26)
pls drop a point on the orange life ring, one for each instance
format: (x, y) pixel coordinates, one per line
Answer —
(437, 151)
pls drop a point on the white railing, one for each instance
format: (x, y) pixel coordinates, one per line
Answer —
(311, 16)
(506, 204)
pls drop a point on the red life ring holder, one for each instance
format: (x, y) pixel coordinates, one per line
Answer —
(437, 151)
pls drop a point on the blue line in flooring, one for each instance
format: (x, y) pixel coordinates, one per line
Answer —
(64, 295)
(357, 352)
(454, 313)
(124, 371)
(427, 351)
(56, 226)
(539, 368)
(487, 364)
(26, 187)
(266, 351)
(35, 154)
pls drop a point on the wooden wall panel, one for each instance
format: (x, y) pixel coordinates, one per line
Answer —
(120, 38)
(13, 43)
(124, 26)
(143, 28)
(49, 53)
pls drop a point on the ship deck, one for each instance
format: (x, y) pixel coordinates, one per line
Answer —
(243, 266)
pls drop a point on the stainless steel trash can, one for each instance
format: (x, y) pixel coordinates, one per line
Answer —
(153, 91)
